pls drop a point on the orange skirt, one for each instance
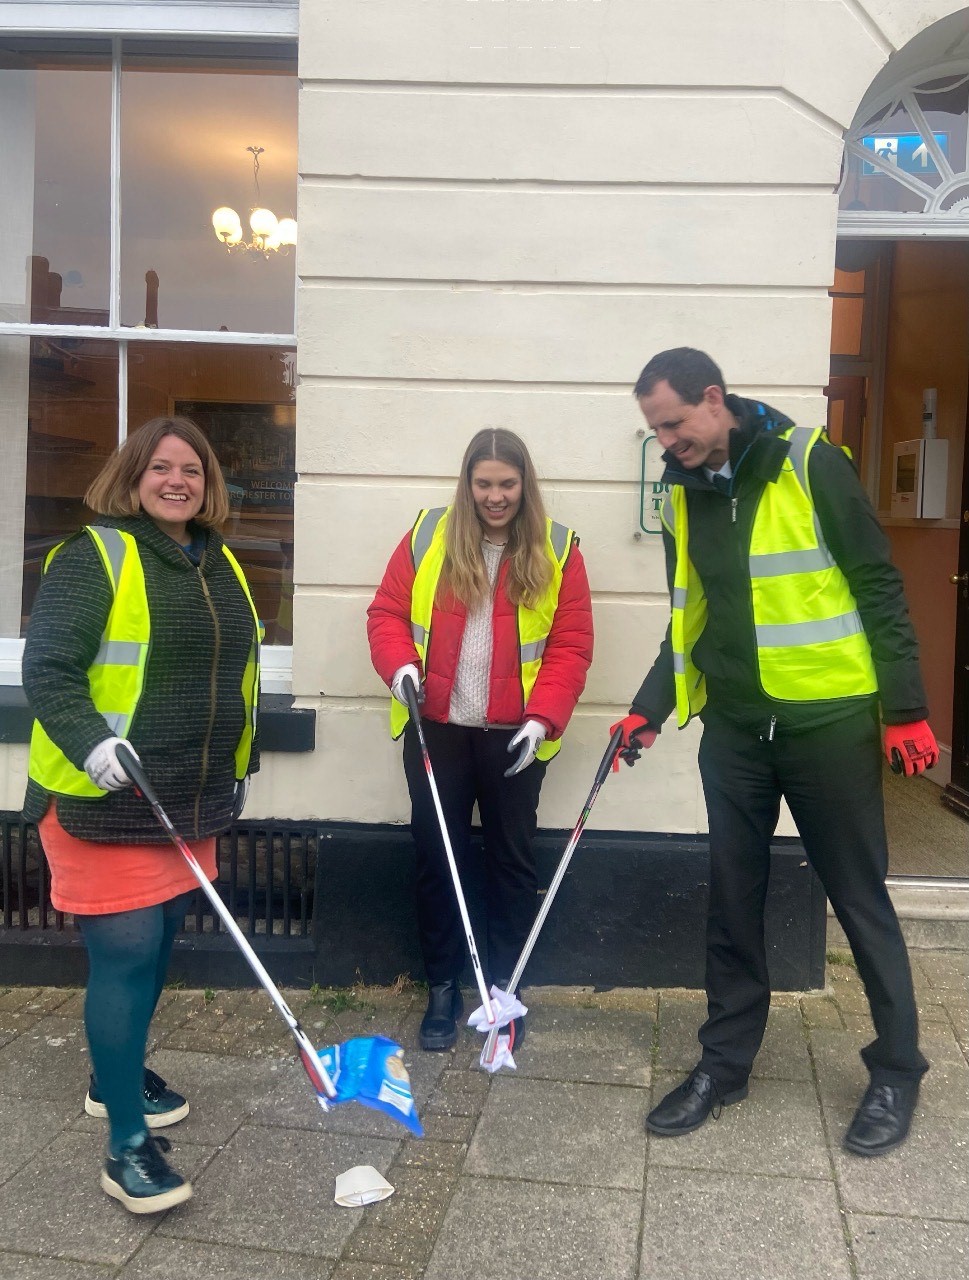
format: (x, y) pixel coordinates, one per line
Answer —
(88, 878)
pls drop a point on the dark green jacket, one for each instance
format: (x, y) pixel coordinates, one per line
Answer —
(191, 713)
(720, 526)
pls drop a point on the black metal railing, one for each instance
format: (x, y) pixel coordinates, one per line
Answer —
(266, 878)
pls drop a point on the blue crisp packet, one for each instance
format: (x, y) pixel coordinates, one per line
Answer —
(370, 1070)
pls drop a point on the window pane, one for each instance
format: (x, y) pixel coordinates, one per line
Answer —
(244, 399)
(186, 123)
(59, 413)
(55, 108)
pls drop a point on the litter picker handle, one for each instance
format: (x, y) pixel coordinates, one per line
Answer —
(413, 706)
(317, 1073)
(605, 765)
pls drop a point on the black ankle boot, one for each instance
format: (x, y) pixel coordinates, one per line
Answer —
(444, 1006)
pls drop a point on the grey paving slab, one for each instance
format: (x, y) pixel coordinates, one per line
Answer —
(55, 1206)
(401, 1229)
(843, 1078)
(161, 1259)
(29, 1125)
(900, 1248)
(926, 1177)
(375, 1271)
(50, 1060)
(718, 1227)
(784, 1053)
(291, 1102)
(586, 1134)
(593, 1045)
(277, 1185)
(459, 1093)
(678, 1022)
(776, 1130)
(20, 1266)
(508, 1230)
(946, 970)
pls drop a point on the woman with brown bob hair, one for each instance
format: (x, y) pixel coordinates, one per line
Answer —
(485, 606)
(143, 634)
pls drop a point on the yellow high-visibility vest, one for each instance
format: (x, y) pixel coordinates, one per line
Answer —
(811, 644)
(534, 624)
(116, 677)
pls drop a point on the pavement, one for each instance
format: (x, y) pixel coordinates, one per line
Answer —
(543, 1174)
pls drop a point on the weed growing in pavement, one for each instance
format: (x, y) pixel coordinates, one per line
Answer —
(337, 1000)
(841, 957)
(208, 995)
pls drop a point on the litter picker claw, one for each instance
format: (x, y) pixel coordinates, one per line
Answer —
(410, 693)
(358, 1060)
(492, 1055)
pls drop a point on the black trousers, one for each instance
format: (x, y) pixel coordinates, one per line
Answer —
(469, 766)
(831, 778)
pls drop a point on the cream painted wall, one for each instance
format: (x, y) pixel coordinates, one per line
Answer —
(505, 209)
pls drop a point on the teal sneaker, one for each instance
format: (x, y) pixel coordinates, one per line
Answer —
(162, 1106)
(143, 1180)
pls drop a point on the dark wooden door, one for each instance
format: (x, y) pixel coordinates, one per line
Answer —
(956, 794)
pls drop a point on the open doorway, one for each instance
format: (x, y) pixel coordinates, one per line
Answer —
(901, 328)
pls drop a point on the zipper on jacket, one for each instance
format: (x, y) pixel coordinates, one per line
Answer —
(769, 735)
(213, 689)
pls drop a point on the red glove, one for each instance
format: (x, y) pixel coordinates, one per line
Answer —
(911, 748)
(637, 736)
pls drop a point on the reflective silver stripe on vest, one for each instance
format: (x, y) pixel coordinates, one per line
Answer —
(776, 563)
(679, 664)
(532, 652)
(425, 532)
(679, 597)
(116, 721)
(419, 634)
(120, 653)
(781, 635)
(114, 545)
(559, 536)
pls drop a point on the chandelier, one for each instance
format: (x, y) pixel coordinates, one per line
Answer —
(270, 235)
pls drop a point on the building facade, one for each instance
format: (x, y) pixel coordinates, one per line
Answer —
(504, 208)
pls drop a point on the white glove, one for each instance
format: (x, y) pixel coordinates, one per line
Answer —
(397, 684)
(104, 768)
(527, 741)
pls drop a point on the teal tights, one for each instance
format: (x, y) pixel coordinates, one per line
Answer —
(128, 954)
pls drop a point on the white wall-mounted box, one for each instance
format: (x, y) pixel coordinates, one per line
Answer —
(919, 479)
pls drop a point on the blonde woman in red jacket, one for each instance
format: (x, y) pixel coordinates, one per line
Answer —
(485, 604)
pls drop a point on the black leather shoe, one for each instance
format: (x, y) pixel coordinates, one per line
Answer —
(444, 1006)
(882, 1120)
(687, 1106)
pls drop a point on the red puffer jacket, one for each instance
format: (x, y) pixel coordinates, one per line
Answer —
(561, 677)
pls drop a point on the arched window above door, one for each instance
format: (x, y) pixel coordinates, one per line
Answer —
(906, 167)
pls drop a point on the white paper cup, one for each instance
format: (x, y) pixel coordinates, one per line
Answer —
(361, 1185)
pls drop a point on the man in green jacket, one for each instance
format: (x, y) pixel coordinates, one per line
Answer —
(789, 635)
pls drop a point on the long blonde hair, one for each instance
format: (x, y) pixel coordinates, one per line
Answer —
(529, 570)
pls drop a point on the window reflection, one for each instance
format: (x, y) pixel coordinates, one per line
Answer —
(61, 420)
(186, 123)
(55, 105)
(244, 400)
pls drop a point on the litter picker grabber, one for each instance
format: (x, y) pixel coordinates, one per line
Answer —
(491, 1059)
(410, 693)
(363, 1063)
